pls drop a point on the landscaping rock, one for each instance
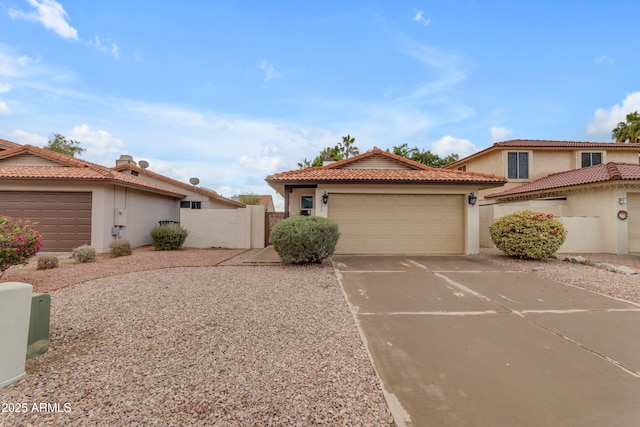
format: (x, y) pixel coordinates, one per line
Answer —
(623, 269)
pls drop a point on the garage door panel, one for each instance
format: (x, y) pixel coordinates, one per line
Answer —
(64, 218)
(407, 224)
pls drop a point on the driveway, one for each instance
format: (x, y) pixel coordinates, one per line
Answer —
(459, 341)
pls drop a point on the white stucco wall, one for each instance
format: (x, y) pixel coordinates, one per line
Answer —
(224, 228)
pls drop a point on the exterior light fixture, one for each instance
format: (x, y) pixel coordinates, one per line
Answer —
(325, 198)
(472, 199)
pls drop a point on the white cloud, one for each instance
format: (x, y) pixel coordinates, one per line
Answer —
(270, 72)
(23, 137)
(271, 160)
(49, 13)
(5, 87)
(419, 17)
(101, 146)
(107, 47)
(452, 145)
(137, 55)
(449, 69)
(4, 108)
(12, 66)
(499, 133)
(605, 59)
(604, 121)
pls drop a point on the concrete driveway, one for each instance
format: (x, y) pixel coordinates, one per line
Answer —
(458, 341)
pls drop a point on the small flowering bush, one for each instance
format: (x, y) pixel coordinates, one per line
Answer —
(19, 241)
(527, 234)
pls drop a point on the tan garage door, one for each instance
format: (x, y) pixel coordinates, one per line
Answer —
(633, 222)
(398, 223)
(63, 218)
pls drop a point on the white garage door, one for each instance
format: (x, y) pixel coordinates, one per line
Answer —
(633, 222)
(399, 223)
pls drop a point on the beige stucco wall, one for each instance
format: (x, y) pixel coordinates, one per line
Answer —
(541, 163)
(224, 228)
(590, 218)
(141, 211)
(472, 242)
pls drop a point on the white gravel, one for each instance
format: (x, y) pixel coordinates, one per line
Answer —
(583, 276)
(199, 346)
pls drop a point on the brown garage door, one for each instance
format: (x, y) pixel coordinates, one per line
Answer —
(399, 223)
(63, 218)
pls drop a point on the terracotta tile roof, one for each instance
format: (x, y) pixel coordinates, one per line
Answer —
(71, 169)
(210, 193)
(536, 144)
(413, 173)
(578, 177)
(6, 145)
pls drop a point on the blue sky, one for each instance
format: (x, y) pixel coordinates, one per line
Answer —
(231, 91)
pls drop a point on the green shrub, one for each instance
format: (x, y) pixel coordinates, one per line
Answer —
(167, 237)
(84, 253)
(303, 239)
(119, 248)
(19, 241)
(527, 234)
(46, 262)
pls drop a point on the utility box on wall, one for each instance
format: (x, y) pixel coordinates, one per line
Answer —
(120, 217)
(15, 307)
(39, 325)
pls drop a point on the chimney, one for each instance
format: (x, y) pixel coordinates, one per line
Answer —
(125, 159)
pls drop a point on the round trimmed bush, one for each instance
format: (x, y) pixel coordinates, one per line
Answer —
(527, 234)
(168, 236)
(305, 239)
(120, 247)
(84, 253)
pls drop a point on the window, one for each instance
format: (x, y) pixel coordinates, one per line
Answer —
(185, 204)
(591, 159)
(463, 168)
(518, 165)
(306, 205)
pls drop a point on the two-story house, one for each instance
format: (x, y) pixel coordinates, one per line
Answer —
(590, 185)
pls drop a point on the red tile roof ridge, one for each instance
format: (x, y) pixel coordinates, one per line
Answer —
(611, 171)
(374, 152)
(554, 141)
(202, 190)
(72, 162)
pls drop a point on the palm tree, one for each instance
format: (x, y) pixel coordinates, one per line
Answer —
(347, 146)
(629, 130)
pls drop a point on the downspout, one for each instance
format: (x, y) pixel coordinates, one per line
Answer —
(287, 191)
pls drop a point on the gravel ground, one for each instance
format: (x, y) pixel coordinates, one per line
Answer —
(226, 346)
(584, 276)
(213, 342)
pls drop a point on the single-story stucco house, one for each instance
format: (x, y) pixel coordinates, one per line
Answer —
(387, 204)
(75, 202)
